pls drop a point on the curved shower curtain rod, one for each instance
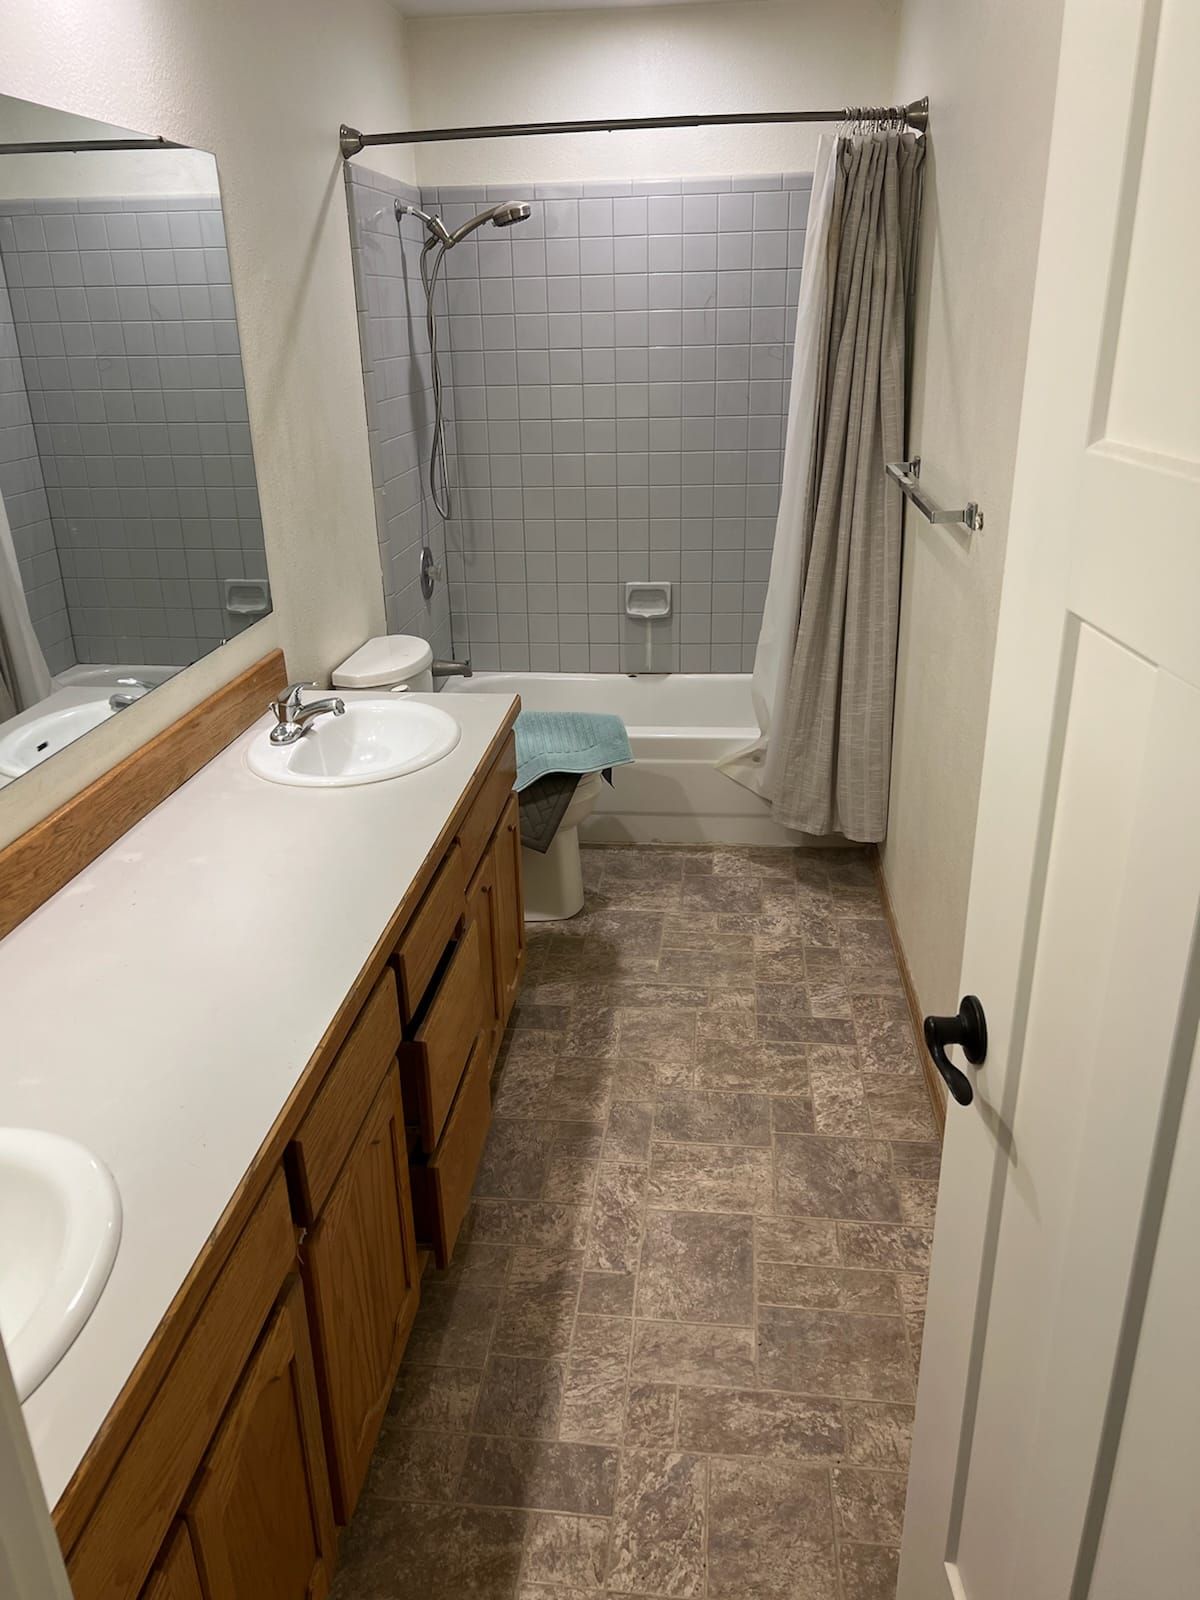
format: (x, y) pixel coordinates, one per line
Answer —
(914, 115)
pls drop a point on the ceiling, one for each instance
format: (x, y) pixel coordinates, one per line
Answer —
(474, 8)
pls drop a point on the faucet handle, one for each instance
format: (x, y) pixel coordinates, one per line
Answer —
(284, 704)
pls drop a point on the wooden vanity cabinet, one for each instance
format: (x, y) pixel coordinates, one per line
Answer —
(442, 1184)
(348, 1173)
(247, 1438)
(175, 1576)
(495, 906)
(363, 1285)
(260, 1515)
(482, 912)
(434, 1059)
(510, 909)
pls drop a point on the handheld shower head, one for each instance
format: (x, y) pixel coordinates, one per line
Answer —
(511, 211)
(500, 216)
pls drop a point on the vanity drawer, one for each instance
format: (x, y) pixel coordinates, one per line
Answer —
(325, 1137)
(432, 1061)
(480, 822)
(424, 941)
(442, 1187)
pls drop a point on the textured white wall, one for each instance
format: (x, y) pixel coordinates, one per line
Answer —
(989, 67)
(757, 55)
(263, 86)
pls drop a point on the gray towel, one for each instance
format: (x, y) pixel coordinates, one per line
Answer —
(542, 805)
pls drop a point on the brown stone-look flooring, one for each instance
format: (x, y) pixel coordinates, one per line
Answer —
(675, 1353)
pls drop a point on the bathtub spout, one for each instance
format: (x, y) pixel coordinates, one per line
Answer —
(452, 669)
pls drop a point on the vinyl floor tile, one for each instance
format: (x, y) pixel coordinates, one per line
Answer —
(674, 1353)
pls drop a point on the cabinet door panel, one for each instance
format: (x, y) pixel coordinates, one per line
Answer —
(260, 1516)
(175, 1576)
(122, 1539)
(360, 1265)
(510, 906)
(483, 911)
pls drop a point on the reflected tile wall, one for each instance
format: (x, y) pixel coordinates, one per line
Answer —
(129, 351)
(23, 490)
(620, 367)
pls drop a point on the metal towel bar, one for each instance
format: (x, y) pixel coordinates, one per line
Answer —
(907, 474)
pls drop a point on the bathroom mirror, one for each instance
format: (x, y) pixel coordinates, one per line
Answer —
(130, 537)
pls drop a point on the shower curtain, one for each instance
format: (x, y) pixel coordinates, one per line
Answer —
(824, 671)
(24, 675)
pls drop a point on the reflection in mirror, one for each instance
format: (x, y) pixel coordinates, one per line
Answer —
(130, 537)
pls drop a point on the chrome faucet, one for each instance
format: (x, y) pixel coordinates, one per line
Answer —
(292, 718)
(128, 691)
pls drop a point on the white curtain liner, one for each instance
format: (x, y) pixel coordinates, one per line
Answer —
(756, 766)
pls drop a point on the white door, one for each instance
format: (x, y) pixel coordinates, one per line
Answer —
(1057, 1449)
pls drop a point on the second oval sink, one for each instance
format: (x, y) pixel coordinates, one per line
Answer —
(60, 1223)
(373, 740)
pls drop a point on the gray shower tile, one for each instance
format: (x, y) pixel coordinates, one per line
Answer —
(595, 218)
(630, 254)
(561, 218)
(563, 258)
(734, 250)
(798, 204)
(699, 213)
(595, 254)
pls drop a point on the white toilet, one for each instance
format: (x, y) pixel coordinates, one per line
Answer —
(391, 661)
(553, 882)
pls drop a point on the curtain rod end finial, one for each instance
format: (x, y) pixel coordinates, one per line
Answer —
(350, 140)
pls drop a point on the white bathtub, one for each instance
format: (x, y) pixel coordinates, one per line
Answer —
(680, 725)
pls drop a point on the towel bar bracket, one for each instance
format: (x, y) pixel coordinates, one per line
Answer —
(907, 474)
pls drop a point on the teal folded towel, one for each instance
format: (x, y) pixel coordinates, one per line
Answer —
(568, 741)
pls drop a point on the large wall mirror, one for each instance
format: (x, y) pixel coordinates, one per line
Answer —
(130, 537)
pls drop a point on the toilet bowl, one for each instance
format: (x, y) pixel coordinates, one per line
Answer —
(553, 882)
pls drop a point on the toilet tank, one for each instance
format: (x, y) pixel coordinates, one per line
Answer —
(388, 662)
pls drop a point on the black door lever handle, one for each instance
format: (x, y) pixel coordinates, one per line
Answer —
(968, 1029)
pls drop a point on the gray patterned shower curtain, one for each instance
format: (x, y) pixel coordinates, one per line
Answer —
(829, 768)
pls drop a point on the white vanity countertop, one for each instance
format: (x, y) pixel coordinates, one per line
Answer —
(163, 1005)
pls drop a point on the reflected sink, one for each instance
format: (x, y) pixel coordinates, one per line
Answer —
(373, 740)
(37, 739)
(60, 1223)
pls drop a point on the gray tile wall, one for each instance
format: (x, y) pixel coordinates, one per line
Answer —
(399, 393)
(129, 348)
(23, 490)
(620, 368)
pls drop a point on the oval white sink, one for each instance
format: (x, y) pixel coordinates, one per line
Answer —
(373, 740)
(60, 1223)
(35, 741)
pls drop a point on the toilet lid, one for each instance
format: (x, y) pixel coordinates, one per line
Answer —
(390, 658)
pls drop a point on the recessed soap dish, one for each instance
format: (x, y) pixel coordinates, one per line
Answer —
(649, 601)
